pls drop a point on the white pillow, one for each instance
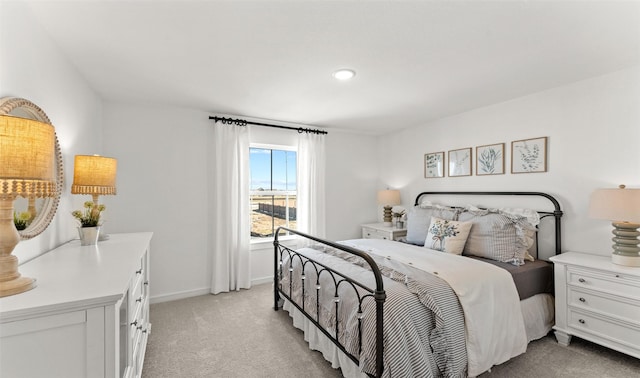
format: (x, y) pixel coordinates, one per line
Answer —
(447, 235)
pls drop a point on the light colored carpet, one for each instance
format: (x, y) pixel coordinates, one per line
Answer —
(238, 334)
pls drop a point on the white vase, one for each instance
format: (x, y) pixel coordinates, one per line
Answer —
(89, 235)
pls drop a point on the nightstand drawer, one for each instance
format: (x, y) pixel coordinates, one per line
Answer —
(619, 332)
(604, 304)
(370, 233)
(605, 281)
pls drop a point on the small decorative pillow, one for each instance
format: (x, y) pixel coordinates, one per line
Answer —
(447, 235)
(419, 218)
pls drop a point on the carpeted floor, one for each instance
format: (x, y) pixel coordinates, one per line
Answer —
(239, 335)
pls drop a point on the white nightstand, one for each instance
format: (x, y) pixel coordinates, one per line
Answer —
(380, 231)
(598, 301)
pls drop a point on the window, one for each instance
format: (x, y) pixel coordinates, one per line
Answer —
(273, 190)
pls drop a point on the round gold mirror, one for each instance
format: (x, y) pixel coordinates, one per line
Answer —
(34, 214)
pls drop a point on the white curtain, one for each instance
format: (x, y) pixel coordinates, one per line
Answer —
(311, 189)
(229, 208)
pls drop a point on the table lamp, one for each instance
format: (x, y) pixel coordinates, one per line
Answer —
(27, 151)
(94, 175)
(388, 199)
(622, 207)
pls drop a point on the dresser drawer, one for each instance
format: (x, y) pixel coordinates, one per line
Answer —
(370, 233)
(610, 282)
(619, 332)
(617, 307)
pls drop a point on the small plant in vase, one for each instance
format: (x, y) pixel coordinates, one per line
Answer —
(21, 220)
(89, 220)
(398, 216)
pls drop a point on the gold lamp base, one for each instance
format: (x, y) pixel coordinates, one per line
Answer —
(10, 280)
(16, 286)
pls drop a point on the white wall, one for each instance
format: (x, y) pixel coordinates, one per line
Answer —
(593, 128)
(162, 187)
(32, 67)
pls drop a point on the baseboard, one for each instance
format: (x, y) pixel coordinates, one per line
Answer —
(260, 281)
(180, 295)
(197, 292)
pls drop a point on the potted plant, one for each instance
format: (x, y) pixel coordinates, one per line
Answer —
(21, 220)
(398, 216)
(90, 222)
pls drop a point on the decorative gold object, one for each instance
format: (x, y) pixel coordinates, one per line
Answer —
(27, 151)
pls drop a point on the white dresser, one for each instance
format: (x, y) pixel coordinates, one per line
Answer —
(597, 301)
(380, 231)
(88, 315)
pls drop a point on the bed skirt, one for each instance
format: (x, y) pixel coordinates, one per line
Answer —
(537, 311)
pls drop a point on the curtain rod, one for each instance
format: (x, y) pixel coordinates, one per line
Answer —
(242, 122)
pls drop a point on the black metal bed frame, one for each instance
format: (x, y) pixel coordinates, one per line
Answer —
(378, 294)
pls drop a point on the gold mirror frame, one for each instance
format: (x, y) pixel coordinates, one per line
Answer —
(21, 107)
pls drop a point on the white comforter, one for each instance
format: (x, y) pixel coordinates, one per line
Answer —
(494, 324)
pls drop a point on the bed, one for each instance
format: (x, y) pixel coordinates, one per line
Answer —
(384, 308)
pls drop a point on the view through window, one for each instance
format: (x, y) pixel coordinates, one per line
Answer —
(273, 190)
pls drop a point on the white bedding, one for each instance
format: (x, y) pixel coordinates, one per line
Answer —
(494, 323)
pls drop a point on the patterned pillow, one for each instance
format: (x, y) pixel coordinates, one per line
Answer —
(497, 235)
(447, 235)
(419, 219)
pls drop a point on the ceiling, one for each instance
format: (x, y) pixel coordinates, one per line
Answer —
(416, 61)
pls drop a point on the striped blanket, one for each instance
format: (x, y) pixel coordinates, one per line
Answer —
(424, 322)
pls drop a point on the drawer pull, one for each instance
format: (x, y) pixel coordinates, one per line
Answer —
(135, 323)
(582, 300)
(617, 276)
(581, 321)
(582, 280)
(139, 271)
(139, 299)
(139, 327)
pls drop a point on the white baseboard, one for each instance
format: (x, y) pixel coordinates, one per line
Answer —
(180, 295)
(197, 292)
(260, 281)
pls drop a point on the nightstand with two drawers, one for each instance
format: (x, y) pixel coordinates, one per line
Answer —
(598, 301)
(380, 231)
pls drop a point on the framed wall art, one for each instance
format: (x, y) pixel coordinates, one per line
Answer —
(529, 155)
(434, 165)
(490, 159)
(460, 162)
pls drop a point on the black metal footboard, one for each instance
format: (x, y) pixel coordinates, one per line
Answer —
(339, 279)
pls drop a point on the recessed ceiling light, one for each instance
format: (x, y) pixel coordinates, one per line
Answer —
(344, 74)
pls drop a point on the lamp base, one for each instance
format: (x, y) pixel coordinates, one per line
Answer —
(386, 215)
(625, 248)
(625, 260)
(16, 286)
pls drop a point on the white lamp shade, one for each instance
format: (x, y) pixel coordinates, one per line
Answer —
(94, 174)
(619, 204)
(389, 197)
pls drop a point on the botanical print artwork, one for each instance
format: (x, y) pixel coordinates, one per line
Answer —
(460, 162)
(434, 165)
(490, 159)
(529, 155)
(441, 230)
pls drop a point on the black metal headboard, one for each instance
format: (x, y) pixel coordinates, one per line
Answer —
(556, 213)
